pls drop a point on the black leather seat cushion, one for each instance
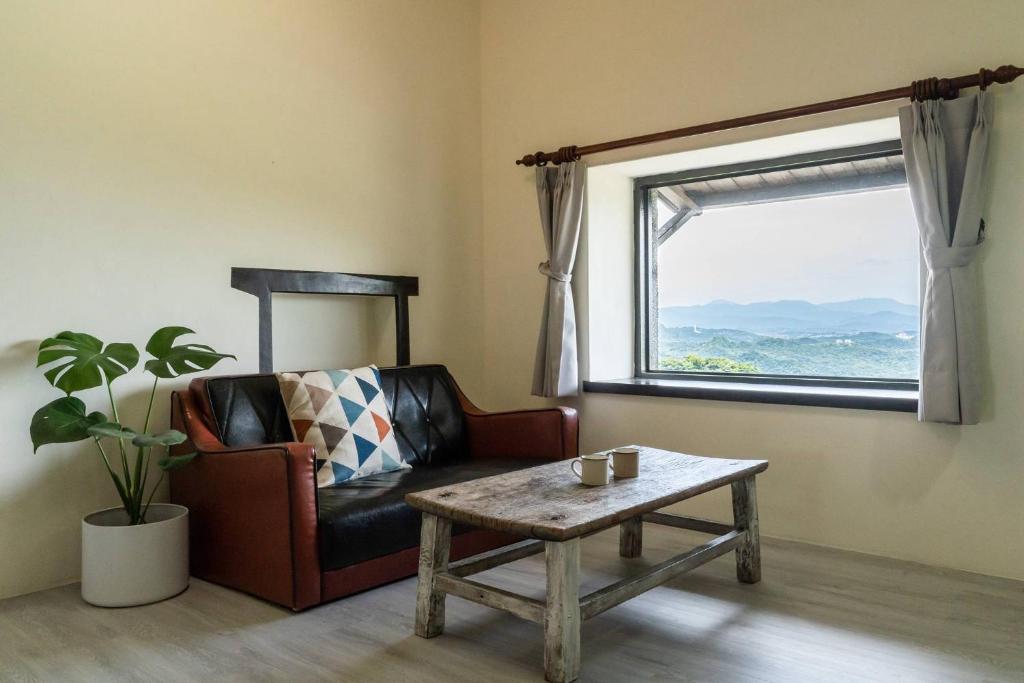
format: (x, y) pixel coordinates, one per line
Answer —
(425, 412)
(368, 518)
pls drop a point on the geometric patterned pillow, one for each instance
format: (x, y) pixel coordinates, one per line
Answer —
(343, 415)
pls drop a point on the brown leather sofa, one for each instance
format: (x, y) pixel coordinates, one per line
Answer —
(258, 522)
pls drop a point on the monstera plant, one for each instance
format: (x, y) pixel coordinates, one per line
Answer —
(76, 362)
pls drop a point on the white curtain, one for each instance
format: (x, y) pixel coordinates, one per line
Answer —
(945, 145)
(560, 198)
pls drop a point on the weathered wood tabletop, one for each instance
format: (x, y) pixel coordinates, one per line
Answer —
(549, 502)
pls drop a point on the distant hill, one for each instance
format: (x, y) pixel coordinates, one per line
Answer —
(796, 317)
(872, 306)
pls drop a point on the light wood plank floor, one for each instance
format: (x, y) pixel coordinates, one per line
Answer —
(818, 615)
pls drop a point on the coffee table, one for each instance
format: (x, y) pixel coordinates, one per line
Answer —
(550, 507)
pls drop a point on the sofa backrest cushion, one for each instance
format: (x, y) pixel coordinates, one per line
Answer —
(425, 412)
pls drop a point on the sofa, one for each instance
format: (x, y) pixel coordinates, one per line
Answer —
(258, 522)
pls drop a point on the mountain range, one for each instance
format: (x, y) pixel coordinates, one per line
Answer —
(794, 317)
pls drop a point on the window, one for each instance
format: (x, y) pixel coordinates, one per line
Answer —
(795, 270)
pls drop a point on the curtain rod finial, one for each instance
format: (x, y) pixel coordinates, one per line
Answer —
(1004, 74)
(1007, 73)
(564, 155)
(536, 159)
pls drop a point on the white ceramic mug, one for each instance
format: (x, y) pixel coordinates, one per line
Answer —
(626, 461)
(594, 469)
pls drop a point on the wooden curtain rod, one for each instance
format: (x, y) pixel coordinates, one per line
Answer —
(928, 89)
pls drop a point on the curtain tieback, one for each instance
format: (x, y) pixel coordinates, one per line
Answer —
(950, 257)
(545, 269)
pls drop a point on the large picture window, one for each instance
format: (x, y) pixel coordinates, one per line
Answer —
(801, 269)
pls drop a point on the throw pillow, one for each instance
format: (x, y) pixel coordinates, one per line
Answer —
(343, 414)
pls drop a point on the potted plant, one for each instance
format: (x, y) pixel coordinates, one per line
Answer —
(136, 553)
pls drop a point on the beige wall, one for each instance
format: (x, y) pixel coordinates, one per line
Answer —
(559, 73)
(147, 147)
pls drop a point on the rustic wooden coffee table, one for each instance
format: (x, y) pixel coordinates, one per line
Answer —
(549, 505)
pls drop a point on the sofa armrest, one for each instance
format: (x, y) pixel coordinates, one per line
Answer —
(541, 433)
(252, 511)
(545, 433)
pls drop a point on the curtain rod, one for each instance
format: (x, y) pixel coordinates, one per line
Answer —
(928, 89)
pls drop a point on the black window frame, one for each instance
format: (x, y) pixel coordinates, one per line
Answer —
(644, 277)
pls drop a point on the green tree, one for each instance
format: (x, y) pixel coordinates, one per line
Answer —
(694, 363)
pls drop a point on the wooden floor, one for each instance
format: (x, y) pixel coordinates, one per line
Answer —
(818, 615)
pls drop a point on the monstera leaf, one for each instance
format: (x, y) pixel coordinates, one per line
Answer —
(113, 430)
(173, 462)
(62, 421)
(79, 359)
(171, 437)
(170, 361)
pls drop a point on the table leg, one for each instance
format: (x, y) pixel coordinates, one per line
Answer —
(744, 510)
(631, 537)
(562, 615)
(435, 542)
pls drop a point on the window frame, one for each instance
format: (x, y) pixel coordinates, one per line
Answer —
(644, 276)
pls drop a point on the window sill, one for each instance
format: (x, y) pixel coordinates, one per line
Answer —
(898, 400)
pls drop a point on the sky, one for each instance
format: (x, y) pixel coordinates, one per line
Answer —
(819, 250)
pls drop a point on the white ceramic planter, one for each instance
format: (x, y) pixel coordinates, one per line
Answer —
(124, 565)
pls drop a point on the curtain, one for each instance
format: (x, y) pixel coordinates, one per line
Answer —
(945, 145)
(560, 198)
